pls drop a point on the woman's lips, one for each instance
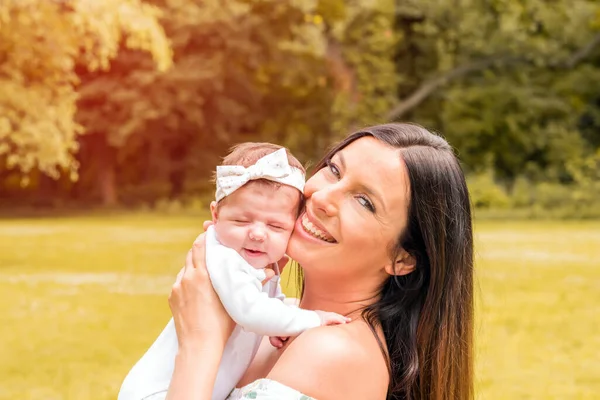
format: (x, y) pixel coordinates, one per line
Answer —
(312, 231)
(317, 224)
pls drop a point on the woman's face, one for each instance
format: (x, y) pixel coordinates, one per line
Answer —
(356, 207)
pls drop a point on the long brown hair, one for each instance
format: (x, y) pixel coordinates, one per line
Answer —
(427, 315)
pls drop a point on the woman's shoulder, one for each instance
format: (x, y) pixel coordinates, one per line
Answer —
(330, 362)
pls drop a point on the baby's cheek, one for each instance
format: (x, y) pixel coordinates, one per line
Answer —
(280, 244)
(232, 236)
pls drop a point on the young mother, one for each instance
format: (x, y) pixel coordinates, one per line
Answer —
(394, 199)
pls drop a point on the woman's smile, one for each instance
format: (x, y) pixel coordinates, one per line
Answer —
(309, 230)
(315, 228)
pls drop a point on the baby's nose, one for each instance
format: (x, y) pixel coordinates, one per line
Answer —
(258, 234)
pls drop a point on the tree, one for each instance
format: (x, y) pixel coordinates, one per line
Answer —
(41, 43)
(489, 76)
(361, 49)
(239, 66)
(510, 83)
(469, 37)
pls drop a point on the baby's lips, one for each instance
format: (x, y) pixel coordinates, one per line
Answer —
(255, 251)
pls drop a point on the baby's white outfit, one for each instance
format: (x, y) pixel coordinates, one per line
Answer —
(257, 310)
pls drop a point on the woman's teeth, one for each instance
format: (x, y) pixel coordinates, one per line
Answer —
(314, 231)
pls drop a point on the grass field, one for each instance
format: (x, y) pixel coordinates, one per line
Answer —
(83, 297)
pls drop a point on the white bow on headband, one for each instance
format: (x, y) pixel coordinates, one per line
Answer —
(273, 167)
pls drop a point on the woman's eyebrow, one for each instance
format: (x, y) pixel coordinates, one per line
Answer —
(342, 160)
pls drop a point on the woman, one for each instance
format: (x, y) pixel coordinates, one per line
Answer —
(393, 203)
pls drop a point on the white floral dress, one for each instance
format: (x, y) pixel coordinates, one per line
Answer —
(267, 389)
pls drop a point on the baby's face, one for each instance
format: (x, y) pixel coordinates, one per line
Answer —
(256, 221)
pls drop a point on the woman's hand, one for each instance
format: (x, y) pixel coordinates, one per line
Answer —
(203, 327)
(200, 319)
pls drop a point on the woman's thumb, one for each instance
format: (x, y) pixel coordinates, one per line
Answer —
(206, 224)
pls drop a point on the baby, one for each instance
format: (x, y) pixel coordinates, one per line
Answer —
(258, 198)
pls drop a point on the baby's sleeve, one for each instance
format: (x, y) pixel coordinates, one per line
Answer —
(239, 287)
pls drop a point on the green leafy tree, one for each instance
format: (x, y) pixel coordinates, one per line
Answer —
(490, 75)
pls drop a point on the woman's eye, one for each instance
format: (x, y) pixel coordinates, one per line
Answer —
(333, 168)
(363, 201)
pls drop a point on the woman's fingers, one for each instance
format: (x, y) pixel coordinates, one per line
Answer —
(185, 273)
(189, 263)
(206, 225)
(181, 271)
(269, 273)
(276, 341)
(198, 252)
(283, 262)
(200, 238)
(175, 294)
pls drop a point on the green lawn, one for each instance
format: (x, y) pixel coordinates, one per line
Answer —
(83, 297)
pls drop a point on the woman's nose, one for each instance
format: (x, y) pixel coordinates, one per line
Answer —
(325, 200)
(257, 233)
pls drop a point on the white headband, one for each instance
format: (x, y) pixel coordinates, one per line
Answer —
(273, 167)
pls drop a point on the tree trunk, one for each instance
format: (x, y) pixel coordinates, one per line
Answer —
(178, 170)
(106, 155)
(46, 191)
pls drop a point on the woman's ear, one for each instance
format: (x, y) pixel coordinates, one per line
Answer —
(403, 264)
(214, 211)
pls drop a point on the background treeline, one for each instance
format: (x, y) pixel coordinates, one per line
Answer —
(131, 102)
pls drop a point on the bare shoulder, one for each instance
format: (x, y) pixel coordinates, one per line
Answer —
(334, 362)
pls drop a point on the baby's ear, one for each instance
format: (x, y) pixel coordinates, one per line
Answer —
(214, 211)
